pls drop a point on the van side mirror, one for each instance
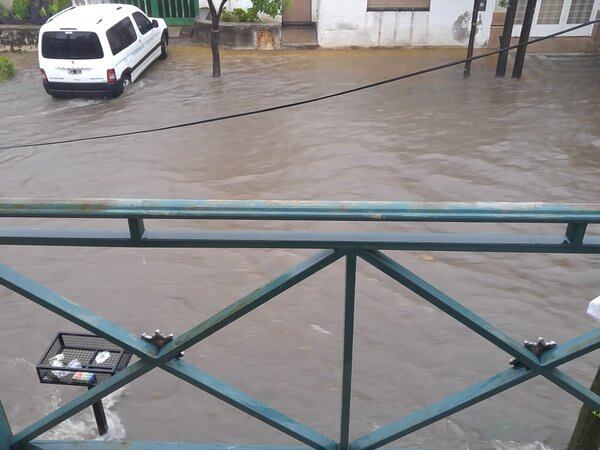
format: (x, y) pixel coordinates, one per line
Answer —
(155, 23)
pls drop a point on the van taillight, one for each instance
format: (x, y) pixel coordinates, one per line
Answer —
(44, 77)
(111, 76)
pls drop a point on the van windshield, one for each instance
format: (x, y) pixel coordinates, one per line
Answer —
(71, 45)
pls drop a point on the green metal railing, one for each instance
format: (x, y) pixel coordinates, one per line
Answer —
(175, 12)
(331, 247)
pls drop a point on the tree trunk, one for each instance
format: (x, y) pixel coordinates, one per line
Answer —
(215, 17)
(586, 435)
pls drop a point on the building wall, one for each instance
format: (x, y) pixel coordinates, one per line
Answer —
(538, 29)
(345, 23)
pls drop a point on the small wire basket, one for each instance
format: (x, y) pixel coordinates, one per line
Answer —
(80, 359)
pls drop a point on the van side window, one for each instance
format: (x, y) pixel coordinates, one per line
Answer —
(121, 35)
(142, 22)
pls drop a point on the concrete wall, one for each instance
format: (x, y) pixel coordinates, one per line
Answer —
(345, 23)
(18, 38)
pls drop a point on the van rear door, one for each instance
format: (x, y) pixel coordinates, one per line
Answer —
(72, 56)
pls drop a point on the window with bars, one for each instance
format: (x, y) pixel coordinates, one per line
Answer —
(580, 11)
(520, 13)
(550, 12)
(398, 5)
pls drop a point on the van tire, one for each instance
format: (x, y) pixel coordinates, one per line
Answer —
(125, 81)
(164, 43)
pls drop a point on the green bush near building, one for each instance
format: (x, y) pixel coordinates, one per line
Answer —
(7, 68)
(20, 9)
(270, 7)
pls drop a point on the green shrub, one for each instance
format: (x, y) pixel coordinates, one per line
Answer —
(249, 15)
(56, 6)
(4, 13)
(240, 15)
(21, 9)
(7, 68)
(271, 7)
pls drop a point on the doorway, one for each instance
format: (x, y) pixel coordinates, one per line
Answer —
(299, 12)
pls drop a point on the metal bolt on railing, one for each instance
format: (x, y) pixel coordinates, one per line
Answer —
(537, 348)
(159, 340)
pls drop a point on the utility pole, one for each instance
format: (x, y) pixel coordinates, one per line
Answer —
(586, 435)
(509, 22)
(525, 32)
(474, 19)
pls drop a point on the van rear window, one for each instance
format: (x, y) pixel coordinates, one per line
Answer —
(71, 45)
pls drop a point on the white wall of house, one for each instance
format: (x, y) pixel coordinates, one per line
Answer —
(559, 18)
(344, 23)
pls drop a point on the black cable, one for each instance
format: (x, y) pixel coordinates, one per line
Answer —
(304, 102)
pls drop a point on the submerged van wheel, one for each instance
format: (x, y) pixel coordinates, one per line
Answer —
(164, 43)
(122, 86)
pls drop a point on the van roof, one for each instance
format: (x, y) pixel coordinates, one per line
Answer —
(87, 17)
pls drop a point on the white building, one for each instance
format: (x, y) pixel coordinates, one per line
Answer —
(386, 23)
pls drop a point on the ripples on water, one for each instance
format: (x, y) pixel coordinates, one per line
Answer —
(433, 138)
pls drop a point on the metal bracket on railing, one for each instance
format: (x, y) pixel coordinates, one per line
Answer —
(537, 348)
(159, 340)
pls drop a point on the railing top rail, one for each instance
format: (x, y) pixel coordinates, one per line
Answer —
(302, 210)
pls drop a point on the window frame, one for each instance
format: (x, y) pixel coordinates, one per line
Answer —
(116, 26)
(138, 25)
(401, 5)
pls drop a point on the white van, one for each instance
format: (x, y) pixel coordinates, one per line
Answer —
(98, 49)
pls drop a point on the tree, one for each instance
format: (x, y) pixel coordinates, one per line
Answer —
(215, 17)
(270, 7)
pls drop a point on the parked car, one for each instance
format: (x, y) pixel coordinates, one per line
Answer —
(97, 50)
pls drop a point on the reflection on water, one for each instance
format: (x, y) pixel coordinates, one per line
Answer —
(434, 138)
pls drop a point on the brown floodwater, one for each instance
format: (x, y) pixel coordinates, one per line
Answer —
(437, 137)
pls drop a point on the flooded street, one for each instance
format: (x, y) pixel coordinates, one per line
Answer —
(432, 138)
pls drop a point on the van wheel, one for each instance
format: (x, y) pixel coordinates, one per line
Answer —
(121, 86)
(164, 43)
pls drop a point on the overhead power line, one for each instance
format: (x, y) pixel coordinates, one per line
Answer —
(301, 102)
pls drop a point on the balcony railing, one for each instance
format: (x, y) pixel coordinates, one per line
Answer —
(331, 247)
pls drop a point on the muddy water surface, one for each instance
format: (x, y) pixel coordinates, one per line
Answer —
(433, 138)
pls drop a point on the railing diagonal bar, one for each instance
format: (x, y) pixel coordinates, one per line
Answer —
(73, 312)
(81, 402)
(573, 387)
(572, 349)
(446, 407)
(249, 405)
(5, 431)
(450, 306)
(249, 302)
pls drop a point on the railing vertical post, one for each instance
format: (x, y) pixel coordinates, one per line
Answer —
(576, 232)
(100, 417)
(525, 31)
(5, 431)
(348, 348)
(136, 228)
(474, 19)
(509, 22)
